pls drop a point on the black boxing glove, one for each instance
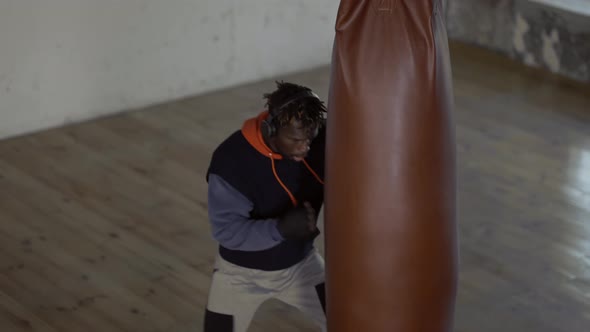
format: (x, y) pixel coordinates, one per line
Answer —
(294, 224)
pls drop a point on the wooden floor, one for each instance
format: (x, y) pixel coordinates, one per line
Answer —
(103, 225)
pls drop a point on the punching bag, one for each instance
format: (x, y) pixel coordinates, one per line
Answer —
(391, 243)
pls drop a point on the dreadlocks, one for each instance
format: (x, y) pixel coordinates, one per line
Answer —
(309, 111)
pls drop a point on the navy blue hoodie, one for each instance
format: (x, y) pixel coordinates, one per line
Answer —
(250, 187)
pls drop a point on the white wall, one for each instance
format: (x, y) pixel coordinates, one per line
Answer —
(72, 60)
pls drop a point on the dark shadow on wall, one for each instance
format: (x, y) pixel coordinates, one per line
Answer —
(538, 34)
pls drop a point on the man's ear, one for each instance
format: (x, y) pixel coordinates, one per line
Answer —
(266, 129)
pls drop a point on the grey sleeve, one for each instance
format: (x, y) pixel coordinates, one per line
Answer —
(231, 225)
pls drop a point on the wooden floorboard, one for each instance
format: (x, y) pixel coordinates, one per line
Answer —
(103, 224)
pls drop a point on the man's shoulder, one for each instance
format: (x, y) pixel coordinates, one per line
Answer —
(231, 156)
(234, 161)
(233, 143)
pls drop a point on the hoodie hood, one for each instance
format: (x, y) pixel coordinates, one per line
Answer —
(251, 129)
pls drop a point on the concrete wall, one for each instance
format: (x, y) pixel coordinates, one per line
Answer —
(71, 60)
(549, 34)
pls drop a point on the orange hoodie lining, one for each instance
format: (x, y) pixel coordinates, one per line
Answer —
(253, 134)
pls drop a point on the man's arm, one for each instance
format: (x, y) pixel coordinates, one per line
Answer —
(232, 227)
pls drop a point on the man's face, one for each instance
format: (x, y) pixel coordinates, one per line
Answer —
(293, 140)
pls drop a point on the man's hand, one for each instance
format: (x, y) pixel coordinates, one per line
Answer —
(298, 223)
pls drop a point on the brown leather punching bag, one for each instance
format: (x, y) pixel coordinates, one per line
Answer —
(391, 243)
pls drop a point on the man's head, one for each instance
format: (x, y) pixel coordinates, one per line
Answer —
(296, 115)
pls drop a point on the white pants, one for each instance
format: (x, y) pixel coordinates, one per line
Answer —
(237, 292)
